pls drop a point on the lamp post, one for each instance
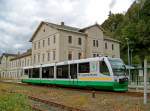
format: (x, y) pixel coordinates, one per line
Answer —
(131, 56)
(145, 81)
(128, 56)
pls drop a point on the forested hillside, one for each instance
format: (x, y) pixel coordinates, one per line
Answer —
(134, 25)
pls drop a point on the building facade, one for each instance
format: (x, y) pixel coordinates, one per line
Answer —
(5, 64)
(53, 43)
(18, 62)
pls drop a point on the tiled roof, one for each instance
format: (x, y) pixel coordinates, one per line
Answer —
(59, 27)
(7, 54)
(111, 39)
(71, 29)
(65, 27)
(28, 53)
(85, 28)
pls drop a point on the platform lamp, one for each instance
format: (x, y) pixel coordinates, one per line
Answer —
(127, 39)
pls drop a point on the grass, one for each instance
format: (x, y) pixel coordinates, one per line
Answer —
(102, 102)
(13, 102)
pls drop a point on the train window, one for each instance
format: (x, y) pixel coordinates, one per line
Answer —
(103, 68)
(48, 72)
(59, 72)
(84, 67)
(30, 73)
(62, 71)
(73, 71)
(26, 71)
(36, 73)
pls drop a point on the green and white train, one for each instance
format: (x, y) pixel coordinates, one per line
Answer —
(103, 73)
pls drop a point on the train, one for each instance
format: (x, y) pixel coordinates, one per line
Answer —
(102, 73)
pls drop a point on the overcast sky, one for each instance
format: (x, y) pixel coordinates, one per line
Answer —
(20, 18)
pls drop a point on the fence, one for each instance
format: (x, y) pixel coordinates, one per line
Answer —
(137, 76)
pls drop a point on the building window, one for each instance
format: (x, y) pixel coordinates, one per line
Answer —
(34, 58)
(70, 39)
(34, 46)
(96, 43)
(39, 45)
(70, 55)
(93, 43)
(106, 46)
(48, 56)
(19, 63)
(79, 41)
(54, 39)
(79, 55)
(24, 62)
(54, 54)
(43, 57)
(28, 62)
(43, 43)
(112, 46)
(48, 41)
(95, 55)
(39, 57)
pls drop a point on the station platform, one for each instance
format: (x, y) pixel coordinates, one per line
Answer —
(140, 88)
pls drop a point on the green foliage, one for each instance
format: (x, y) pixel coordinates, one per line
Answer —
(112, 23)
(13, 102)
(134, 25)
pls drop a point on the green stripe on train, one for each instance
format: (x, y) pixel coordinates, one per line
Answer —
(115, 86)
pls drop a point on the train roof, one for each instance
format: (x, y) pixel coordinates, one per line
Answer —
(69, 62)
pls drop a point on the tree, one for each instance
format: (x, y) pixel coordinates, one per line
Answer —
(112, 23)
(134, 25)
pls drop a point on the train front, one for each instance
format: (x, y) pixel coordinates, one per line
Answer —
(119, 73)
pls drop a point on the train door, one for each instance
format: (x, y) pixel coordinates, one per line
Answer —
(26, 73)
(73, 74)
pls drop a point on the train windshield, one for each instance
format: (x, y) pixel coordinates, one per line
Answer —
(118, 67)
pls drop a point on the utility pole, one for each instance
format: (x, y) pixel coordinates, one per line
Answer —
(141, 4)
(145, 81)
(128, 56)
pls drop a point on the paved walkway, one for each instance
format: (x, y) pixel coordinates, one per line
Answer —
(135, 88)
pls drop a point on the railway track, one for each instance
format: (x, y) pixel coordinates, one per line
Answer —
(51, 104)
(85, 90)
(91, 91)
(40, 104)
(34, 108)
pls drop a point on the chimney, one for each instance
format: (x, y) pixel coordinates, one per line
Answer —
(62, 23)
